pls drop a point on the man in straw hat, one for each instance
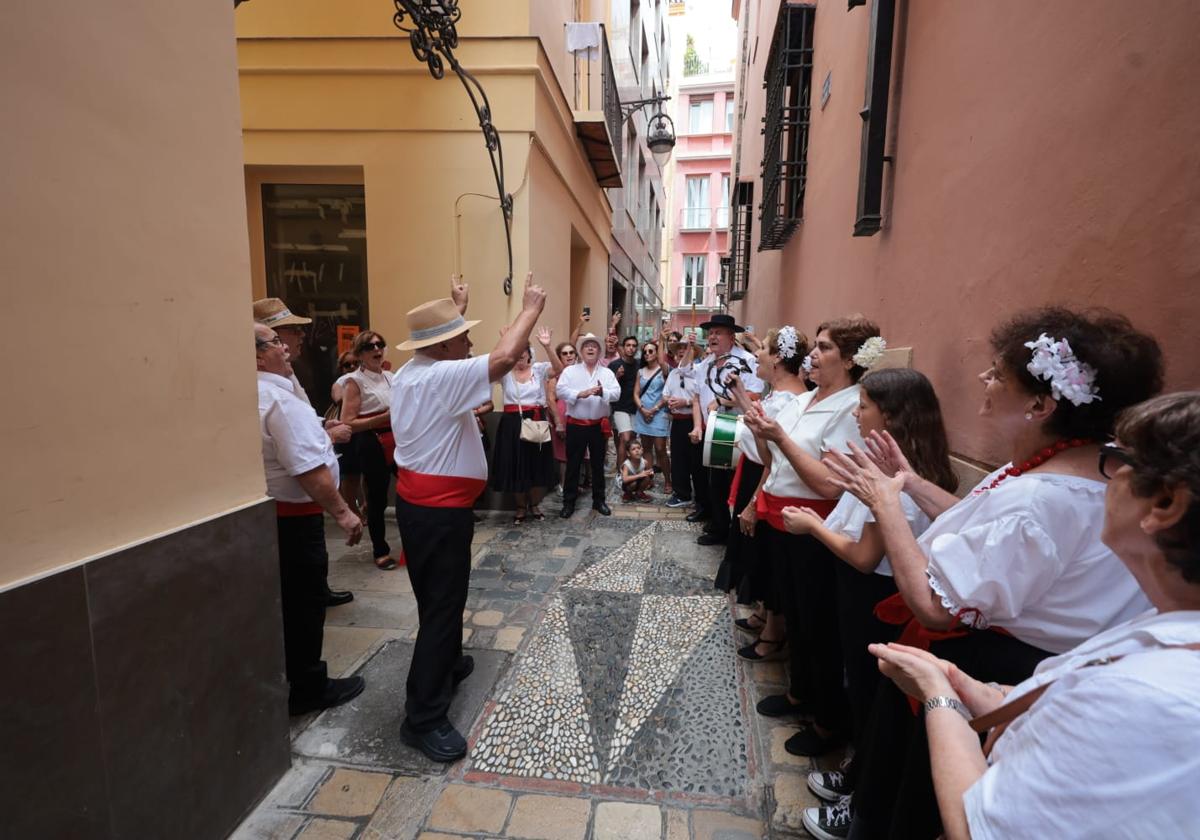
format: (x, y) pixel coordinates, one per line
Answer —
(442, 471)
(587, 388)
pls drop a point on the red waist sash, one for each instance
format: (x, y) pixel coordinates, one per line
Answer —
(576, 421)
(386, 439)
(771, 507)
(535, 410)
(448, 491)
(287, 509)
(681, 415)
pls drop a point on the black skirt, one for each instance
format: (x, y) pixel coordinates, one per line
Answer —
(745, 567)
(518, 465)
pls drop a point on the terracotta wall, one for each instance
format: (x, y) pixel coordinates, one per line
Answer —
(1043, 152)
(127, 354)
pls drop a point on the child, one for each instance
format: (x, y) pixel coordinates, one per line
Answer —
(899, 416)
(636, 475)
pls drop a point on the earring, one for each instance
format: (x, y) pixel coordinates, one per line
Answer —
(1028, 415)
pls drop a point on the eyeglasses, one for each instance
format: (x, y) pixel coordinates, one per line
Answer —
(567, 353)
(349, 365)
(263, 342)
(375, 345)
(1111, 450)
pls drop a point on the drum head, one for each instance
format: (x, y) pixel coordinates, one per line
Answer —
(720, 441)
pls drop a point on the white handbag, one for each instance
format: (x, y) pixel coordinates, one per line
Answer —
(533, 431)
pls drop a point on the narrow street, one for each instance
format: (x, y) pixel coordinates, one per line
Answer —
(606, 702)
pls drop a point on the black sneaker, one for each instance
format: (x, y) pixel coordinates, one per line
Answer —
(676, 502)
(829, 823)
(810, 743)
(442, 744)
(335, 693)
(831, 785)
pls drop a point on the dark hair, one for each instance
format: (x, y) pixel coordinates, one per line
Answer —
(558, 350)
(629, 338)
(360, 340)
(794, 364)
(1163, 435)
(345, 359)
(849, 334)
(914, 418)
(1128, 364)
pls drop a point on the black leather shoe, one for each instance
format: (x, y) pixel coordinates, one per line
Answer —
(602, 509)
(441, 744)
(336, 693)
(697, 516)
(711, 539)
(567, 511)
(336, 599)
(462, 669)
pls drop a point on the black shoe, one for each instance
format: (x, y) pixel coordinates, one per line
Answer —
(778, 705)
(711, 539)
(567, 510)
(602, 509)
(462, 669)
(335, 693)
(774, 650)
(810, 743)
(441, 744)
(697, 516)
(336, 599)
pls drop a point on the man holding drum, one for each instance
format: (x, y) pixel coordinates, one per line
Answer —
(725, 360)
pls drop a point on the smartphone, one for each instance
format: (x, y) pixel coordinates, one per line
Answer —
(587, 312)
(749, 328)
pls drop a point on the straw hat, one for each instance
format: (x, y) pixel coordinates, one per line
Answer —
(434, 322)
(585, 338)
(274, 313)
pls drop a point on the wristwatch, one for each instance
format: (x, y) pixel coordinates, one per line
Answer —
(943, 702)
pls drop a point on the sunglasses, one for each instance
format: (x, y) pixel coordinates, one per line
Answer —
(349, 365)
(1111, 451)
(375, 345)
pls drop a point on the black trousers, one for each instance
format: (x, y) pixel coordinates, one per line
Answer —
(743, 566)
(303, 567)
(805, 571)
(894, 795)
(687, 469)
(581, 439)
(377, 476)
(437, 546)
(719, 482)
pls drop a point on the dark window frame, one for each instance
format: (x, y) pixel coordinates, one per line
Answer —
(741, 224)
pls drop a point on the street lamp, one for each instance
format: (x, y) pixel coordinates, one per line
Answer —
(720, 288)
(661, 129)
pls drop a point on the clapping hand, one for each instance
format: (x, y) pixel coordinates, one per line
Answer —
(917, 673)
(763, 426)
(800, 520)
(856, 473)
(887, 454)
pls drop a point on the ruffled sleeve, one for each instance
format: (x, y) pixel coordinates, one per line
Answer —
(989, 572)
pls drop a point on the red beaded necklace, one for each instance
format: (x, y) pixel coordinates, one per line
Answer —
(1040, 458)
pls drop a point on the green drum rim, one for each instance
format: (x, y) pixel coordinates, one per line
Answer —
(720, 441)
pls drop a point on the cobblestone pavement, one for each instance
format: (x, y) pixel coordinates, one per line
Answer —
(607, 701)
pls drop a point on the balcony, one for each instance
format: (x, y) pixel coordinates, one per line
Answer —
(700, 297)
(597, 111)
(703, 219)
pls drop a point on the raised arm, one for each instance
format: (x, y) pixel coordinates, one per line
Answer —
(516, 338)
(458, 293)
(544, 337)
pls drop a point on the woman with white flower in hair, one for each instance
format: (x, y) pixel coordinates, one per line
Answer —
(805, 570)
(1015, 572)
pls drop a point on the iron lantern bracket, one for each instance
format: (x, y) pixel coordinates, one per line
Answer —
(628, 109)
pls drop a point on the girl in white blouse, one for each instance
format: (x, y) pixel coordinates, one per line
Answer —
(1021, 553)
(1104, 740)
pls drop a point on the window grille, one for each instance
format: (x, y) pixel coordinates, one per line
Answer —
(740, 239)
(788, 80)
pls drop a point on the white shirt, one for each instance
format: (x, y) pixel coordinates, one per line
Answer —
(850, 515)
(528, 393)
(828, 425)
(680, 386)
(293, 438)
(576, 378)
(374, 390)
(1027, 556)
(771, 405)
(1108, 751)
(433, 416)
(299, 391)
(750, 380)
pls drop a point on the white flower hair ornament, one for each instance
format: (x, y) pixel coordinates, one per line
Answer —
(807, 364)
(1070, 378)
(871, 352)
(786, 340)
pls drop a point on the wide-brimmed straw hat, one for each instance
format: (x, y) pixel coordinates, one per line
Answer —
(588, 337)
(273, 312)
(434, 322)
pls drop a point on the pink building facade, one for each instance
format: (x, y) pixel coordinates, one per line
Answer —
(700, 197)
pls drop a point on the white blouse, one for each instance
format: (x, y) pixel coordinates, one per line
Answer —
(1108, 750)
(828, 425)
(851, 515)
(528, 393)
(375, 390)
(771, 405)
(1027, 556)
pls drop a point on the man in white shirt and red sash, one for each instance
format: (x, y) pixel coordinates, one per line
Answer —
(587, 388)
(302, 478)
(442, 470)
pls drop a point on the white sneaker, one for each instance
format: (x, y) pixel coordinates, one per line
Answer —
(830, 823)
(831, 785)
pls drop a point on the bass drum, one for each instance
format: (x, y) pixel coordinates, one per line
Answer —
(720, 441)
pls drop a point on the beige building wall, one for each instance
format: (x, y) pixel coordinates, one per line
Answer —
(130, 386)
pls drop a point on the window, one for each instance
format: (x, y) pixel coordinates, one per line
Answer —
(695, 212)
(788, 80)
(729, 114)
(740, 239)
(723, 207)
(700, 116)
(693, 280)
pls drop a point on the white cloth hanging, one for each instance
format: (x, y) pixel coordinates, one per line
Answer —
(583, 37)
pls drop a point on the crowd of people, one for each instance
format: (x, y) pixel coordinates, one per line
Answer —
(1019, 659)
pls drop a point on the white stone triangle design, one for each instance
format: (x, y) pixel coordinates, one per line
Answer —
(622, 571)
(669, 628)
(539, 726)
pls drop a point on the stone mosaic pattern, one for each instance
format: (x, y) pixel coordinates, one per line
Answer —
(623, 570)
